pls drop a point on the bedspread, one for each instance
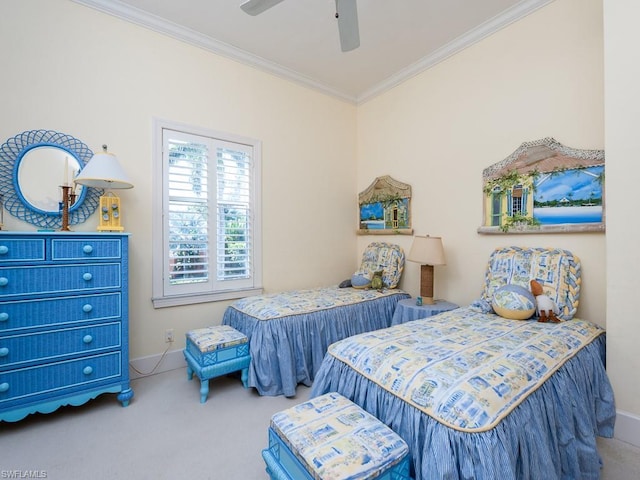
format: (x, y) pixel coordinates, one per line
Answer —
(550, 434)
(299, 302)
(289, 332)
(465, 369)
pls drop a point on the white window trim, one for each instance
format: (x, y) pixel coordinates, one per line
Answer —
(159, 299)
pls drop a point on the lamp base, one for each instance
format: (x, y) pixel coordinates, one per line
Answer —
(426, 284)
(110, 214)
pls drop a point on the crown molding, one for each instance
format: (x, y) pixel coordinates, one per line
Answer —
(473, 36)
(166, 27)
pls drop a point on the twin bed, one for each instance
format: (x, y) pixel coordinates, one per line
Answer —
(476, 395)
(289, 332)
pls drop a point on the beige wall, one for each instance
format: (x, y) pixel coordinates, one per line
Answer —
(102, 80)
(540, 77)
(622, 111)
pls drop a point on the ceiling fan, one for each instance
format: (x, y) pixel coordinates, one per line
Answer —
(346, 13)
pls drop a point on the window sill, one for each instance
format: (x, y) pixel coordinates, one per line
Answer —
(177, 300)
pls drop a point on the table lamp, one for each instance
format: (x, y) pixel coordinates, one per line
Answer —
(427, 251)
(104, 171)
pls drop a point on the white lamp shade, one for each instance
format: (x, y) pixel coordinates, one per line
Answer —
(427, 251)
(103, 171)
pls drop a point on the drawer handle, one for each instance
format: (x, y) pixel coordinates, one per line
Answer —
(87, 370)
(4, 316)
(4, 249)
(4, 351)
(87, 339)
(87, 276)
(86, 308)
(87, 249)
(4, 281)
(4, 387)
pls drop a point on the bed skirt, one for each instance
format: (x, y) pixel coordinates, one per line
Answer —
(289, 350)
(551, 435)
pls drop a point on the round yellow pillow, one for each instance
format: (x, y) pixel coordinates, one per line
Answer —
(514, 302)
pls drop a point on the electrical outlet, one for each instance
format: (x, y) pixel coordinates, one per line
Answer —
(168, 335)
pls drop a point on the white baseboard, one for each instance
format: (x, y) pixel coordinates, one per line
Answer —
(153, 364)
(627, 428)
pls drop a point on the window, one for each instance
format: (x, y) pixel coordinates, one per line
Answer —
(206, 242)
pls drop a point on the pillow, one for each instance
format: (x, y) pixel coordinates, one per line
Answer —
(514, 302)
(361, 280)
(557, 270)
(387, 257)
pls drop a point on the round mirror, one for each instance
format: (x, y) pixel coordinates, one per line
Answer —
(38, 170)
(33, 166)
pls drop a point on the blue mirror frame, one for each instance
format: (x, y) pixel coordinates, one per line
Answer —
(12, 153)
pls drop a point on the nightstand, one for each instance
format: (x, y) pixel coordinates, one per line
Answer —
(407, 310)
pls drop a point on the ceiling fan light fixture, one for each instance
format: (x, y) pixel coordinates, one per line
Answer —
(347, 15)
(256, 7)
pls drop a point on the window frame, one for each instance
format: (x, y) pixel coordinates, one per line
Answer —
(210, 291)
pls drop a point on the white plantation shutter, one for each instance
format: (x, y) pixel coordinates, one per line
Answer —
(234, 213)
(234, 232)
(209, 218)
(187, 217)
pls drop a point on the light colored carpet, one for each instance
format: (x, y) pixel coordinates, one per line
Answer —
(166, 433)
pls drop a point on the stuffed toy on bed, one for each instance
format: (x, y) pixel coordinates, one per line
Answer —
(546, 308)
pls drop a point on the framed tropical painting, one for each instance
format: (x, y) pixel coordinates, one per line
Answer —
(385, 208)
(545, 187)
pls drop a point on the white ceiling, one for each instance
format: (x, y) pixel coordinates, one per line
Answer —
(298, 39)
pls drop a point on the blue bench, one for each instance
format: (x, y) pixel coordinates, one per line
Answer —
(214, 351)
(330, 437)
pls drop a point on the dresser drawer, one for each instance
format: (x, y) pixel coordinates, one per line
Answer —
(58, 279)
(28, 314)
(49, 379)
(86, 249)
(45, 346)
(21, 249)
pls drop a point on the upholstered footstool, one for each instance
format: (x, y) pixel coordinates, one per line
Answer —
(214, 351)
(329, 437)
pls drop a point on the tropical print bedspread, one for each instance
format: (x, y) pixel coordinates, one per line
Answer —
(297, 302)
(465, 369)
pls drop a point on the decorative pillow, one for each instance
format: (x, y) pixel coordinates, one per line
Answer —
(514, 302)
(387, 257)
(557, 270)
(361, 280)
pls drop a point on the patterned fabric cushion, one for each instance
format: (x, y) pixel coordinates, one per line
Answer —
(387, 257)
(216, 337)
(335, 439)
(514, 302)
(557, 270)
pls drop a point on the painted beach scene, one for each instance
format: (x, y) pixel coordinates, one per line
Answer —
(570, 196)
(385, 207)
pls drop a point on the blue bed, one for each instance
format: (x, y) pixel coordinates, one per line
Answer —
(289, 332)
(476, 395)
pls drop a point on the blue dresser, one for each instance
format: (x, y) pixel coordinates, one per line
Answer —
(64, 333)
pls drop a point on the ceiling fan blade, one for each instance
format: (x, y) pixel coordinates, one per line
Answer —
(347, 15)
(255, 7)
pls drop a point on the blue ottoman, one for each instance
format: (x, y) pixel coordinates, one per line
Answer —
(329, 437)
(214, 351)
